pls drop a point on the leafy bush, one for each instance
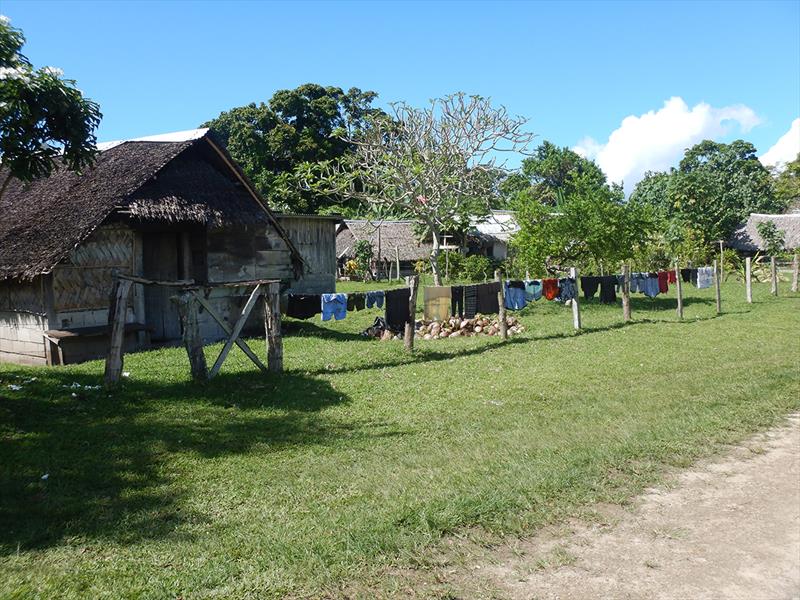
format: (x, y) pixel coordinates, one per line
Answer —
(477, 268)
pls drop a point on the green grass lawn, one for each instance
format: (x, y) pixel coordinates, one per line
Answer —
(360, 456)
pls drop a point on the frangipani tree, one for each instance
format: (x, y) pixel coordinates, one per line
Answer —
(437, 165)
(45, 121)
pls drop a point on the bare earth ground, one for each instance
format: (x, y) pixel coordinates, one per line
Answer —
(727, 528)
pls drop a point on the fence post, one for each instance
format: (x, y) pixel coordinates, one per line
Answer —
(116, 316)
(187, 309)
(272, 327)
(501, 310)
(795, 269)
(748, 279)
(773, 268)
(413, 283)
(397, 261)
(626, 292)
(716, 287)
(576, 309)
(679, 285)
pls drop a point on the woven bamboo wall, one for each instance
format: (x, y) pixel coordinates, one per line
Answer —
(83, 281)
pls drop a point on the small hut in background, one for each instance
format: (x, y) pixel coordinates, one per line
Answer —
(748, 241)
(392, 242)
(490, 236)
(165, 208)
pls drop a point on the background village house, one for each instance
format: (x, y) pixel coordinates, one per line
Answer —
(391, 241)
(172, 207)
(748, 241)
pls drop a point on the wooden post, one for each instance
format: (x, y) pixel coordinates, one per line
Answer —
(773, 269)
(716, 287)
(626, 292)
(721, 260)
(192, 340)
(748, 280)
(397, 260)
(795, 269)
(116, 317)
(413, 283)
(679, 288)
(576, 309)
(272, 327)
(501, 307)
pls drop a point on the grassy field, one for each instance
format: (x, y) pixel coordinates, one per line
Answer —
(360, 457)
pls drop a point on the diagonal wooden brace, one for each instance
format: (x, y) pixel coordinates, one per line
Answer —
(227, 329)
(237, 330)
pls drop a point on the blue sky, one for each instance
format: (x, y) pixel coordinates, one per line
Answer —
(576, 70)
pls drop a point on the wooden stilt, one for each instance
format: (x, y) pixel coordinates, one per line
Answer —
(716, 287)
(576, 309)
(501, 303)
(272, 327)
(748, 280)
(413, 283)
(116, 314)
(192, 340)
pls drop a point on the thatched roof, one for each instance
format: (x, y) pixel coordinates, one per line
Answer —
(393, 234)
(746, 238)
(148, 181)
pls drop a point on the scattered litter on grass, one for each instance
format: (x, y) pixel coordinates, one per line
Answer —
(77, 386)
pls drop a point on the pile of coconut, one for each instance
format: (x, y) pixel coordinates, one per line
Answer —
(456, 327)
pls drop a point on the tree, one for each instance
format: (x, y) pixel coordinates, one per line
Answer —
(717, 186)
(592, 225)
(309, 124)
(554, 173)
(45, 121)
(787, 183)
(774, 239)
(435, 164)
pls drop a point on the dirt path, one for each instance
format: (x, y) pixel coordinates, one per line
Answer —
(729, 528)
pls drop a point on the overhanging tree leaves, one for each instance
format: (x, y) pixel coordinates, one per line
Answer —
(437, 165)
(45, 121)
(309, 124)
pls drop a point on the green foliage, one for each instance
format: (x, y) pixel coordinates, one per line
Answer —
(774, 239)
(305, 125)
(787, 183)
(569, 216)
(363, 258)
(713, 191)
(477, 268)
(45, 121)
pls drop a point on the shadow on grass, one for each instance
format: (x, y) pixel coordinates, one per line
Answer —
(85, 464)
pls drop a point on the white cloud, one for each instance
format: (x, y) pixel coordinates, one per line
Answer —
(656, 140)
(785, 149)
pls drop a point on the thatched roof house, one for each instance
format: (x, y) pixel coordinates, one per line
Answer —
(389, 239)
(164, 208)
(747, 239)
